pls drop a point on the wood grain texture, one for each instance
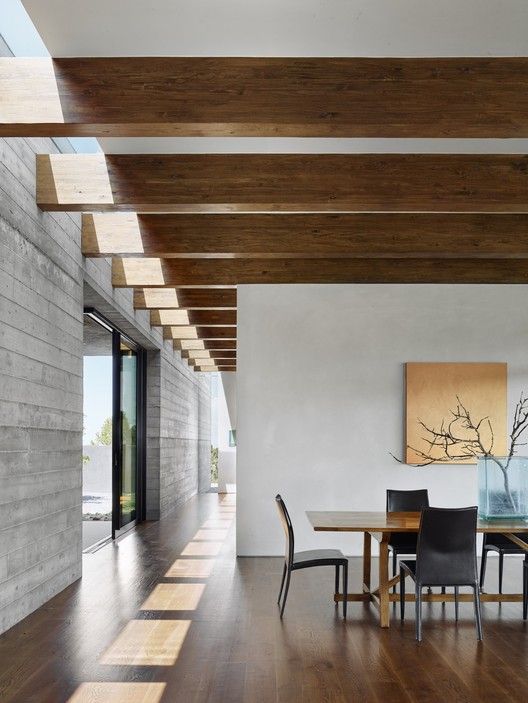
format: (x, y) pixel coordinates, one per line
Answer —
(378, 522)
(207, 354)
(275, 182)
(185, 298)
(200, 344)
(303, 97)
(214, 368)
(209, 318)
(210, 272)
(394, 235)
(191, 332)
(237, 650)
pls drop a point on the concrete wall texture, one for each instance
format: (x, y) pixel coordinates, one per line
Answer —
(44, 283)
(318, 427)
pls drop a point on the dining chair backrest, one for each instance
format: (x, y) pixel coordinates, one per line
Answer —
(446, 553)
(407, 501)
(288, 529)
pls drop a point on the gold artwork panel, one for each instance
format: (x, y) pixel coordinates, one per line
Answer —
(432, 390)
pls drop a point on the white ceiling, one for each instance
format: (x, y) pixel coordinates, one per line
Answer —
(286, 28)
(282, 27)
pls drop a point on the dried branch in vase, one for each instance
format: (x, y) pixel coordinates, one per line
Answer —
(461, 438)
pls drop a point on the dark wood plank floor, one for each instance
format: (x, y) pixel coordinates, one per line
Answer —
(168, 614)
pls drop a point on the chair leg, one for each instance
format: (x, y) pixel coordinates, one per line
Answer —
(345, 589)
(456, 603)
(476, 598)
(483, 562)
(402, 593)
(282, 583)
(288, 574)
(525, 588)
(336, 587)
(394, 567)
(501, 569)
(418, 613)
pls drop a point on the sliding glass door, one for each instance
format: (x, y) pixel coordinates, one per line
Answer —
(128, 360)
(121, 396)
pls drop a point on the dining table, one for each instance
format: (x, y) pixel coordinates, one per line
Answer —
(380, 526)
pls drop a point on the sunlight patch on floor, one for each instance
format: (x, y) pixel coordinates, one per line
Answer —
(147, 643)
(209, 535)
(117, 692)
(190, 568)
(174, 596)
(202, 549)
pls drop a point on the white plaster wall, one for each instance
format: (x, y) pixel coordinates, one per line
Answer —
(320, 395)
(226, 422)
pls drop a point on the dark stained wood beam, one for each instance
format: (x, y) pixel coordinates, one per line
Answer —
(394, 235)
(191, 332)
(218, 361)
(185, 298)
(208, 318)
(204, 272)
(267, 97)
(283, 182)
(214, 368)
(209, 344)
(196, 354)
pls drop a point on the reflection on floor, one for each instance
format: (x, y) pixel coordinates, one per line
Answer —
(168, 615)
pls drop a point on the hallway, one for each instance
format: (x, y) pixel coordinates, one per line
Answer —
(167, 614)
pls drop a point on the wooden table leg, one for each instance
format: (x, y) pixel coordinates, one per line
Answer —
(384, 602)
(367, 552)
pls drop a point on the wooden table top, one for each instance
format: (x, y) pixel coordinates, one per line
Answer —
(370, 521)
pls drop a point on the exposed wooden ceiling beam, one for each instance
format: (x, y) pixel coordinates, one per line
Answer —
(208, 318)
(211, 362)
(302, 97)
(210, 344)
(215, 368)
(190, 332)
(304, 235)
(275, 182)
(185, 298)
(204, 272)
(196, 354)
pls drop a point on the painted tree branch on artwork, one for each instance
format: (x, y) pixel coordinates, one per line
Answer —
(461, 437)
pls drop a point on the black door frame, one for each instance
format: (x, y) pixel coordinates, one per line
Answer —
(141, 378)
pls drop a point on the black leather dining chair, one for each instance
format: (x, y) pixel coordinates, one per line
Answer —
(496, 542)
(445, 556)
(404, 542)
(303, 560)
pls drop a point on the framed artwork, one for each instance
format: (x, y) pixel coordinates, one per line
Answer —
(438, 395)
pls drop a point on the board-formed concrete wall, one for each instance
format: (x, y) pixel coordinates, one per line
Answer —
(40, 390)
(44, 284)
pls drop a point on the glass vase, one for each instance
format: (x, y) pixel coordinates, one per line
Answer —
(503, 487)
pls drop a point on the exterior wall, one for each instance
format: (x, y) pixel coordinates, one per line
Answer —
(318, 426)
(40, 390)
(41, 406)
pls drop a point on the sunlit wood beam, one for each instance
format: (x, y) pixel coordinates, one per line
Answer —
(186, 298)
(209, 318)
(200, 344)
(264, 97)
(207, 272)
(303, 235)
(283, 182)
(187, 332)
